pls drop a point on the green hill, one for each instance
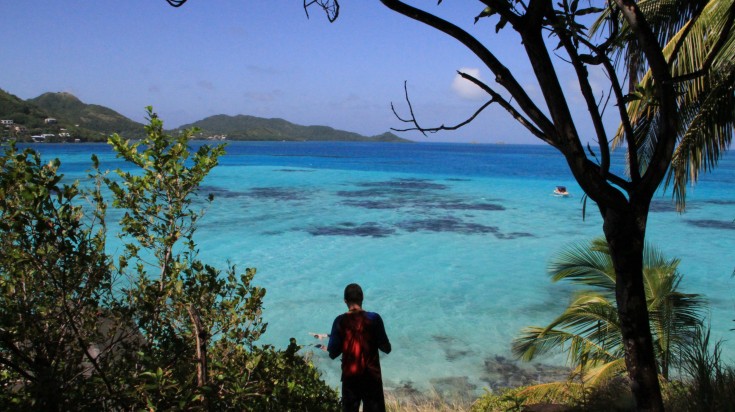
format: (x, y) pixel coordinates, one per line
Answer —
(72, 119)
(243, 127)
(20, 112)
(75, 119)
(71, 111)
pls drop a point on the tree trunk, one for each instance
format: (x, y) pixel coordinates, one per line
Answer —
(200, 340)
(46, 390)
(625, 233)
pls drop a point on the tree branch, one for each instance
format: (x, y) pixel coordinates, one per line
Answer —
(330, 7)
(502, 75)
(508, 107)
(424, 130)
(601, 58)
(665, 93)
(13, 348)
(587, 93)
(17, 368)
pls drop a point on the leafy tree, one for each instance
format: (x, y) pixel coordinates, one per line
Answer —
(198, 324)
(54, 280)
(160, 331)
(589, 328)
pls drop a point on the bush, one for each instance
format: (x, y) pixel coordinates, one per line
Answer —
(709, 384)
(155, 329)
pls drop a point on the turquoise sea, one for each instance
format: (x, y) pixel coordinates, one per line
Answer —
(449, 241)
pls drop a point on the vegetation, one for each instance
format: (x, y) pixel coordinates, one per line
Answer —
(697, 41)
(242, 127)
(91, 122)
(711, 383)
(155, 328)
(706, 384)
(693, 375)
(21, 112)
(72, 119)
(54, 280)
(99, 119)
(589, 328)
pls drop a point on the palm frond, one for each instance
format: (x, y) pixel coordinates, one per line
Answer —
(589, 325)
(708, 134)
(535, 341)
(697, 35)
(584, 265)
(598, 374)
(589, 328)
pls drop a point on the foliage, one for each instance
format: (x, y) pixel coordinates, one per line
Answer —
(506, 400)
(567, 396)
(159, 329)
(512, 399)
(698, 39)
(242, 127)
(86, 122)
(709, 384)
(292, 382)
(69, 110)
(22, 112)
(589, 328)
(54, 277)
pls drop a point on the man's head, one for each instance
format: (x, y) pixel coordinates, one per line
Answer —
(353, 294)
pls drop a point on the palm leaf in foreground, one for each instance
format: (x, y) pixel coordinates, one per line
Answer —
(588, 329)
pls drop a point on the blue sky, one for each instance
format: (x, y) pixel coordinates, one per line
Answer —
(261, 58)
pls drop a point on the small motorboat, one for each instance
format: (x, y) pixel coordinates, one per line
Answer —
(561, 191)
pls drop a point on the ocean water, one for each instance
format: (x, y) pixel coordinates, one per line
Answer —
(449, 241)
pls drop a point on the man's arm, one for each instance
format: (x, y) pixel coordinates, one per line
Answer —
(334, 347)
(382, 337)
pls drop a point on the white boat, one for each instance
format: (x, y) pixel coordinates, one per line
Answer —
(561, 191)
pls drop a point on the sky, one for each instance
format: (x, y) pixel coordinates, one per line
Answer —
(266, 59)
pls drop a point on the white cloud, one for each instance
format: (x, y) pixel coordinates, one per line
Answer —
(465, 88)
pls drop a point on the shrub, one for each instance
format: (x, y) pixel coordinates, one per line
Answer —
(155, 329)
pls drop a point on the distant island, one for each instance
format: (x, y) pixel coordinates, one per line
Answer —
(62, 117)
(243, 127)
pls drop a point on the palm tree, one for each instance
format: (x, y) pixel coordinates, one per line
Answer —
(699, 44)
(589, 327)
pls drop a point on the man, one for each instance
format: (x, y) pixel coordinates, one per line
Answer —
(358, 335)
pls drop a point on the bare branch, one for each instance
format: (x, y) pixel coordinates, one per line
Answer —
(665, 93)
(601, 58)
(496, 97)
(410, 110)
(588, 95)
(330, 7)
(424, 130)
(502, 74)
